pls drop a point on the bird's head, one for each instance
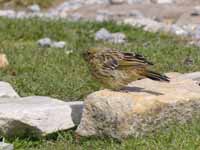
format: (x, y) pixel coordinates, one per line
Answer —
(90, 53)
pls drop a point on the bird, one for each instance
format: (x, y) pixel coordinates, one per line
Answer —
(115, 69)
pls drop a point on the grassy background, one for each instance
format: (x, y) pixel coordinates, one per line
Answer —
(176, 137)
(47, 71)
(54, 72)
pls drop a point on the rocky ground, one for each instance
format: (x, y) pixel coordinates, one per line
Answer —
(177, 16)
(180, 17)
(167, 11)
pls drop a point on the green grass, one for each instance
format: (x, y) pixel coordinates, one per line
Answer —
(53, 72)
(25, 3)
(176, 137)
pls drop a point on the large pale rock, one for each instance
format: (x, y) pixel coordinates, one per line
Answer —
(144, 107)
(6, 146)
(33, 116)
(7, 91)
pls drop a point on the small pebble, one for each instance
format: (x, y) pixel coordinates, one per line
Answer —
(60, 44)
(45, 42)
(34, 8)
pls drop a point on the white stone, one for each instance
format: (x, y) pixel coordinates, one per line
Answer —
(178, 30)
(34, 8)
(6, 146)
(60, 44)
(190, 28)
(8, 13)
(45, 42)
(7, 91)
(103, 34)
(33, 116)
(118, 38)
(77, 109)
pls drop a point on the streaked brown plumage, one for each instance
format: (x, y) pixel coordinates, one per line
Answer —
(115, 69)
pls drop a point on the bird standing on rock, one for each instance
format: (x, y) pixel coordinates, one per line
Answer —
(115, 69)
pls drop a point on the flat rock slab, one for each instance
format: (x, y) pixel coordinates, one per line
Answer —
(142, 108)
(6, 90)
(6, 146)
(33, 116)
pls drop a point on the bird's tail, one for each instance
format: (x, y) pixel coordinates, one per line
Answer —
(155, 76)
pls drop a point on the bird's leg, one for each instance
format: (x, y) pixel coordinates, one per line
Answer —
(77, 138)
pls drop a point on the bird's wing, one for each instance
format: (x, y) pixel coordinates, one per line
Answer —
(115, 59)
(128, 58)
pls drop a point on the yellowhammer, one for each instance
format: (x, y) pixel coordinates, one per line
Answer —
(115, 69)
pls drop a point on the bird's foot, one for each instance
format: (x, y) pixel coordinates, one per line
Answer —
(77, 138)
